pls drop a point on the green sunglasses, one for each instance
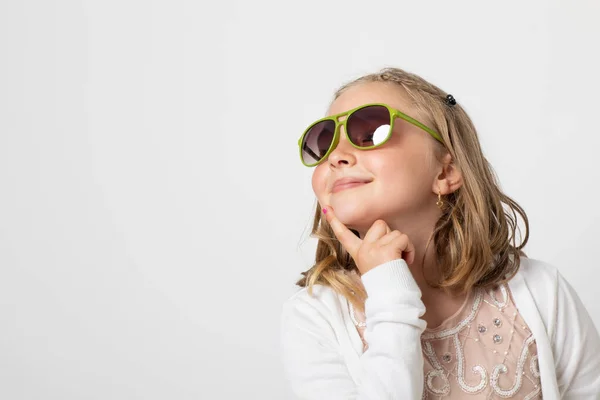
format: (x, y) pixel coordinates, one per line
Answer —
(367, 127)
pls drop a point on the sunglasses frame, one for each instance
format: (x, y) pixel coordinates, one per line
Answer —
(394, 113)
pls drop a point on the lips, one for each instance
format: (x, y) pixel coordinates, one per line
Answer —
(347, 183)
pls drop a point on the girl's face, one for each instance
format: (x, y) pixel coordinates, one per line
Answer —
(400, 176)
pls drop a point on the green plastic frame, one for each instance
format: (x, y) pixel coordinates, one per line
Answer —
(336, 135)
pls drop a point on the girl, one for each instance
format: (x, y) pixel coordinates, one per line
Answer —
(419, 287)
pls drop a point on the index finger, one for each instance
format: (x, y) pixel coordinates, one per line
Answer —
(346, 237)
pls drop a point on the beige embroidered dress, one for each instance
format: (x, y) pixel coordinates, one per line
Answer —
(484, 351)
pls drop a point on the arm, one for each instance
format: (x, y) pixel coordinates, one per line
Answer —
(576, 346)
(391, 368)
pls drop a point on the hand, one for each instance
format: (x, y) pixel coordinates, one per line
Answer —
(379, 245)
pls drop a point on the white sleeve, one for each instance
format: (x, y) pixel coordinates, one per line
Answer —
(392, 366)
(576, 347)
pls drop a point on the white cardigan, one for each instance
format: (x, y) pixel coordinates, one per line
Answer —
(322, 350)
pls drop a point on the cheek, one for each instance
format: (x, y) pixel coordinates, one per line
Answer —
(319, 182)
(402, 170)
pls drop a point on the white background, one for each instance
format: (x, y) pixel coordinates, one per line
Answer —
(153, 209)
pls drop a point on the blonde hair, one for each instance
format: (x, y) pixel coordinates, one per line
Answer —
(475, 237)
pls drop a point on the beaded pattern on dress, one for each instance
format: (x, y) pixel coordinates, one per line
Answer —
(485, 351)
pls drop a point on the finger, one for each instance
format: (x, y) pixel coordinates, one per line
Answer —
(389, 237)
(346, 237)
(376, 231)
(404, 244)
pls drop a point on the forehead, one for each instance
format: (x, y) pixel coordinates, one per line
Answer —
(373, 92)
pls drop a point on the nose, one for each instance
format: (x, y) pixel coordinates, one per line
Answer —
(344, 152)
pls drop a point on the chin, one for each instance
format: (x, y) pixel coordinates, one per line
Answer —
(352, 215)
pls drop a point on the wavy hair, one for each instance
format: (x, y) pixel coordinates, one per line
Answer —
(474, 238)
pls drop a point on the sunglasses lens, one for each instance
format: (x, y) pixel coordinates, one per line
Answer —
(369, 126)
(317, 141)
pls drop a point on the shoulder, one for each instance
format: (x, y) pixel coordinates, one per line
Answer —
(323, 299)
(538, 277)
(535, 287)
(542, 278)
(537, 271)
(553, 296)
(317, 315)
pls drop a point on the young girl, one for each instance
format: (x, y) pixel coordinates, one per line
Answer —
(419, 287)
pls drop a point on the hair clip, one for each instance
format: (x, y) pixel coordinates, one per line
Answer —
(450, 100)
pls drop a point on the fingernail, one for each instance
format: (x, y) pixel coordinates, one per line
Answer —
(324, 210)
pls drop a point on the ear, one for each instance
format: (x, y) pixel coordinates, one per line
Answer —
(449, 178)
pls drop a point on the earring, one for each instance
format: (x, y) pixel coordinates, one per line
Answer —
(439, 201)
